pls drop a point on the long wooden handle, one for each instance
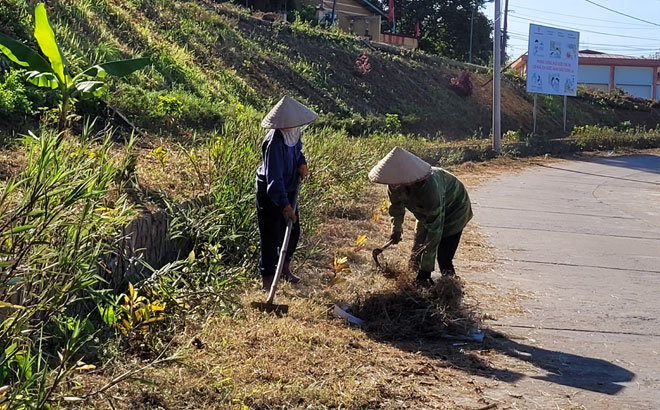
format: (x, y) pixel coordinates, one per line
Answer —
(283, 249)
(280, 262)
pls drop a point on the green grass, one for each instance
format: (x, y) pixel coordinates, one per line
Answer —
(594, 137)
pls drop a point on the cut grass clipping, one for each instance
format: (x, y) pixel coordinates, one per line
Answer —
(411, 311)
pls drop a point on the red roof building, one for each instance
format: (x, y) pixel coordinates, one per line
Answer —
(636, 76)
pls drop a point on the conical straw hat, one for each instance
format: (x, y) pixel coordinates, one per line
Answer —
(288, 113)
(399, 167)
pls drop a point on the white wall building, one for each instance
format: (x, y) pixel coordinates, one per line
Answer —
(636, 76)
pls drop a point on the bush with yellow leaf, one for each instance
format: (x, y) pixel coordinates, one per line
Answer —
(136, 313)
(340, 264)
(56, 225)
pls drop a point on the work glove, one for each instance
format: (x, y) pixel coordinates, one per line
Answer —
(289, 214)
(424, 278)
(395, 237)
(303, 171)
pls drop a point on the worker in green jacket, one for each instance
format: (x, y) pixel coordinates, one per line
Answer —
(439, 202)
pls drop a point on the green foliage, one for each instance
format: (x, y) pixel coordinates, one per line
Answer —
(306, 14)
(554, 104)
(55, 73)
(56, 226)
(203, 113)
(14, 101)
(392, 123)
(170, 107)
(451, 37)
(135, 314)
(15, 18)
(314, 72)
(597, 137)
(513, 136)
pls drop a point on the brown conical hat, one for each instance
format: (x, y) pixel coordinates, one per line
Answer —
(288, 113)
(399, 167)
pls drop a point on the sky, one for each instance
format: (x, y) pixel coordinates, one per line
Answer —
(600, 29)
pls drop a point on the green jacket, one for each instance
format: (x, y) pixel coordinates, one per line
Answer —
(440, 203)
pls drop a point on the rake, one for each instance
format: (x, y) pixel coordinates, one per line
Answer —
(269, 306)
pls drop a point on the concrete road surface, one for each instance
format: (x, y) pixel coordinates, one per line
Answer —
(584, 236)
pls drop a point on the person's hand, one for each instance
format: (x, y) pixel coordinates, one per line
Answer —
(289, 214)
(395, 237)
(303, 171)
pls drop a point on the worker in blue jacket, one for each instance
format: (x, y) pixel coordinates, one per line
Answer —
(278, 176)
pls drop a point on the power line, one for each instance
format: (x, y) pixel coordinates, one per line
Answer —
(520, 36)
(608, 47)
(598, 25)
(570, 15)
(623, 14)
(587, 31)
(641, 49)
(523, 36)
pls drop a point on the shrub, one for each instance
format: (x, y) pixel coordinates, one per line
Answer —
(392, 123)
(56, 225)
(462, 84)
(13, 96)
(362, 65)
(170, 107)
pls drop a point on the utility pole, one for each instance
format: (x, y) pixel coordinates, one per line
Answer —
(497, 116)
(471, 30)
(504, 32)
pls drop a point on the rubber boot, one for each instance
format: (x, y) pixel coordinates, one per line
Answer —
(287, 275)
(424, 279)
(267, 282)
(448, 272)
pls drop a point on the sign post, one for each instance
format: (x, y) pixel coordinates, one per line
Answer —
(535, 98)
(552, 63)
(565, 101)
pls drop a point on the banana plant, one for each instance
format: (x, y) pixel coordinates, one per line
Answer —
(53, 71)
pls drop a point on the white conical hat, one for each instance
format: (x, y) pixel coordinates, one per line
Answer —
(288, 113)
(399, 167)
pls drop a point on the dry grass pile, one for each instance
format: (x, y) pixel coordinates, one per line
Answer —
(413, 312)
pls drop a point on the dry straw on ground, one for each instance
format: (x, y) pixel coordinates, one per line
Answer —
(425, 312)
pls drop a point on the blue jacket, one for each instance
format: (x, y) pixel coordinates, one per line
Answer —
(278, 173)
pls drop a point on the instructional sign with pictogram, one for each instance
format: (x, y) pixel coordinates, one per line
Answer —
(552, 60)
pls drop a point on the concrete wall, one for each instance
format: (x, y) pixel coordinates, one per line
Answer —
(147, 238)
(637, 81)
(594, 74)
(350, 7)
(363, 26)
(596, 77)
(353, 17)
(403, 41)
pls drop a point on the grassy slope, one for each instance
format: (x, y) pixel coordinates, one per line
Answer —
(212, 57)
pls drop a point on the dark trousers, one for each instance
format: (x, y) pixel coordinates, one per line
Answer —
(445, 254)
(272, 227)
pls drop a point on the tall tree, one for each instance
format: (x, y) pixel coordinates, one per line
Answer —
(445, 27)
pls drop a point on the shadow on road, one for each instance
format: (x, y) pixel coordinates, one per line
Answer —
(413, 332)
(646, 163)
